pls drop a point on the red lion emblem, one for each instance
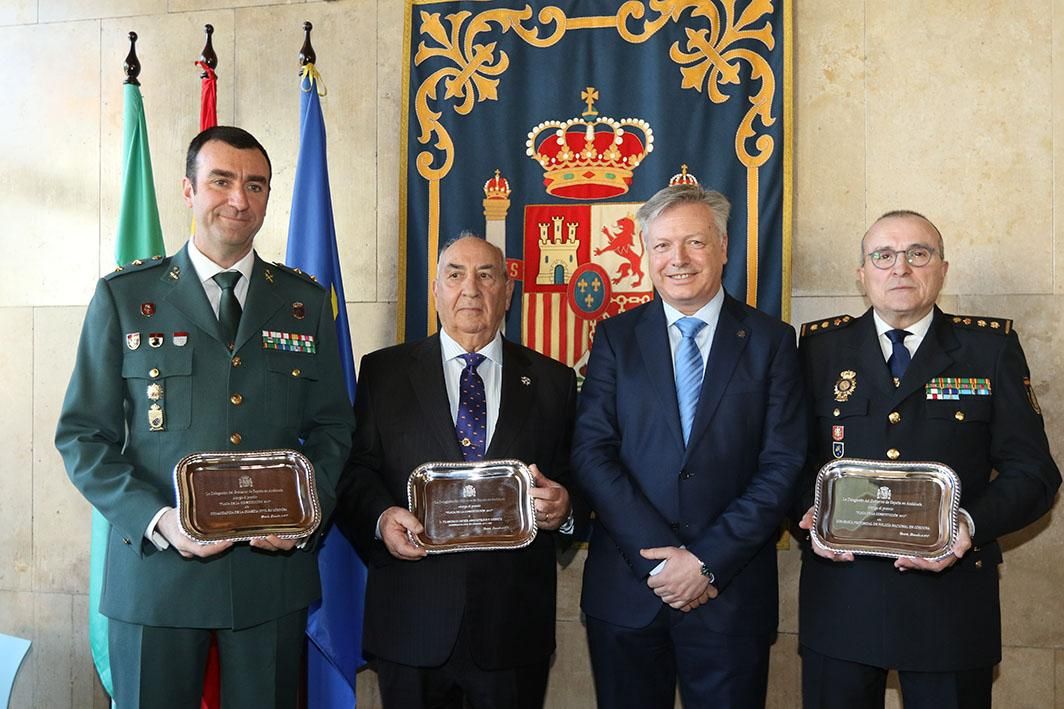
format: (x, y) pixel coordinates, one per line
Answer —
(621, 242)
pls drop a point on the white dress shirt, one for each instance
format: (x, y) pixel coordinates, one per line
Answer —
(708, 313)
(490, 370)
(912, 342)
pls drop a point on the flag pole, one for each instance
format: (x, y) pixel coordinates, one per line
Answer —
(208, 57)
(132, 64)
(306, 52)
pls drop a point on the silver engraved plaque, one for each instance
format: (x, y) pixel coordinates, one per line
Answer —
(239, 496)
(473, 506)
(885, 508)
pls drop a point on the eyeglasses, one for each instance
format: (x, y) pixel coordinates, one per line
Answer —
(916, 256)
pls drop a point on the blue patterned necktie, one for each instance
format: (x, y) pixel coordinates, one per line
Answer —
(899, 356)
(471, 425)
(229, 309)
(688, 372)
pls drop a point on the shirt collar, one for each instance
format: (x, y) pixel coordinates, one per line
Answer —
(917, 329)
(451, 349)
(708, 313)
(206, 269)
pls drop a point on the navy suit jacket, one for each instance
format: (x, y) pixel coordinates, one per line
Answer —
(723, 496)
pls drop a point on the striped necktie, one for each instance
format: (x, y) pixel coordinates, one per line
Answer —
(688, 372)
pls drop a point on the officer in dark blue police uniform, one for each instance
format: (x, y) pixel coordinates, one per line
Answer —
(907, 382)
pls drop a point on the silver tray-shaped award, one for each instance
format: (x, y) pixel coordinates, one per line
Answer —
(885, 508)
(232, 497)
(473, 506)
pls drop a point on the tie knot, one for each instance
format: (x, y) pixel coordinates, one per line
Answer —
(689, 327)
(472, 360)
(897, 336)
(226, 279)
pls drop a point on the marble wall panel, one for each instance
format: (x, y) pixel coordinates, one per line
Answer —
(267, 103)
(390, 60)
(65, 10)
(167, 46)
(785, 673)
(18, 12)
(53, 650)
(944, 137)
(16, 421)
(86, 688)
(372, 327)
(186, 5)
(1025, 679)
(1058, 152)
(829, 164)
(1059, 682)
(49, 165)
(60, 514)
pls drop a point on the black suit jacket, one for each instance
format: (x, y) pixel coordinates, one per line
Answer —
(506, 599)
(866, 611)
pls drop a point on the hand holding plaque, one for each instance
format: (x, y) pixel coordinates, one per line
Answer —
(473, 506)
(241, 496)
(884, 508)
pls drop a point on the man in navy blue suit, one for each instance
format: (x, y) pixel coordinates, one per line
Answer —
(690, 438)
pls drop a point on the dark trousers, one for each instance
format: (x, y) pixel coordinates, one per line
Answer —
(460, 682)
(162, 668)
(830, 683)
(638, 668)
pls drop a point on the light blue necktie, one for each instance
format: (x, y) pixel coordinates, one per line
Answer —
(688, 372)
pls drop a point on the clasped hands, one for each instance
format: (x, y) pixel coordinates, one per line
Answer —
(398, 525)
(905, 563)
(681, 583)
(170, 528)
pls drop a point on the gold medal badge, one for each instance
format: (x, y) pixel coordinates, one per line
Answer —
(846, 385)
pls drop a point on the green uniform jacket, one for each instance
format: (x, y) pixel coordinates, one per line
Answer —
(125, 469)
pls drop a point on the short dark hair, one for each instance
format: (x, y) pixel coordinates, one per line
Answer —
(230, 135)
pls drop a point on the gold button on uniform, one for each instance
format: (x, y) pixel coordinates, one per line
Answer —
(893, 454)
(235, 439)
(236, 361)
(835, 413)
(236, 399)
(296, 372)
(959, 415)
(153, 372)
(894, 417)
(979, 564)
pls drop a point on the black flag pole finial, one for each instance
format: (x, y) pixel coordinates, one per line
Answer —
(132, 64)
(208, 56)
(306, 53)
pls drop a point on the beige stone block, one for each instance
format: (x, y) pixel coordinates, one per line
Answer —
(790, 568)
(1059, 683)
(86, 688)
(49, 172)
(570, 685)
(16, 421)
(167, 46)
(367, 690)
(61, 516)
(372, 327)
(570, 582)
(784, 673)
(17, 12)
(1058, 166)
(390, 62)
(267, 103)
(16, 618)
(893, 692)
(65, 10)
(944, 139)
(1025, 678)
(53, 637)
(185, 5)
(829, 161)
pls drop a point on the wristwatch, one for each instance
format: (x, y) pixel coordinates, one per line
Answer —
(707, 573)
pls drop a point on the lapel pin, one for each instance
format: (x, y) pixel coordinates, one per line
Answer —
(299, 310)
(132, 340)
(175, 273)
(269, 274)
(741, 333)
(147, 309)
(846, 385)
(526, 381)
(155, 339)
(180, 339)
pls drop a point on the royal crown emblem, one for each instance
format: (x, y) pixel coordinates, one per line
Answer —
(591, 156)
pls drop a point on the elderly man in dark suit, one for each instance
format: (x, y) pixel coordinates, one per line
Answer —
(177, 356)
(907, 382)
(689, 441)
(474, 626)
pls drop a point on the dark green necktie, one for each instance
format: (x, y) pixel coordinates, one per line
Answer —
(228, 307)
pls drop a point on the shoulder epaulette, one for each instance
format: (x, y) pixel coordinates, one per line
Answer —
(1001, 326)
(297, 272)
(817, 326)
(135, 266)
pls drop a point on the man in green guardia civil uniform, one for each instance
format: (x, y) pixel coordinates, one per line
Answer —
(209, 350)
